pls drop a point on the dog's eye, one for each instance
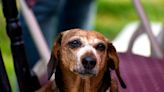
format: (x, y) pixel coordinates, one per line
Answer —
(100, 47)
(74, 44)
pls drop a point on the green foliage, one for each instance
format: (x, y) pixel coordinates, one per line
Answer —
(113, 15)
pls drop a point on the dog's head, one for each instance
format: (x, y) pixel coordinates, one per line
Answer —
(86, 53)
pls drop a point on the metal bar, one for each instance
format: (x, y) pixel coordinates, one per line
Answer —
(148, 30)
(4, 81)
(134, 36)
(25, 80)
(35, 31)
(38, 39)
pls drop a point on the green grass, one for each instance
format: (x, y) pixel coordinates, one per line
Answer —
(112, 16)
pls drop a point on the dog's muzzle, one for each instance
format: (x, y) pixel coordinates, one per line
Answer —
(88, 67)
(88, 62)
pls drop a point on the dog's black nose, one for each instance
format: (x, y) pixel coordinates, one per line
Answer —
(89, 62)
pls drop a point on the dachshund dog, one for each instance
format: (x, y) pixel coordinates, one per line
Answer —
(82, 61)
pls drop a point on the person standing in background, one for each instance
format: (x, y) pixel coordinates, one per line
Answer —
(55, 16)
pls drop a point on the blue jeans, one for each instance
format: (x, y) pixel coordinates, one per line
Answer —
(55, 16)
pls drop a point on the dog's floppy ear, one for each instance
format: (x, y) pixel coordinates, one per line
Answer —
(54, 59)
(113, 62)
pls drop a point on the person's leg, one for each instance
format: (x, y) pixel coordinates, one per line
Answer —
(77, 14)
(32, 54)
(45, 12)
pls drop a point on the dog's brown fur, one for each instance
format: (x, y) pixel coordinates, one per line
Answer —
(64, 61)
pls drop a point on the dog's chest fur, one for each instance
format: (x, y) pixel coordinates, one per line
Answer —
(70, 82)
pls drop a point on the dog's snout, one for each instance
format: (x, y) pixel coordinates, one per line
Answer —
(89, 62)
